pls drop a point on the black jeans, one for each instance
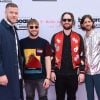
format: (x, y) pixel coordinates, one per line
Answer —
(66, 84)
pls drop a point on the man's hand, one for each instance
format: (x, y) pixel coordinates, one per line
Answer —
(53, 76)
(81, 78)
(3, 80)
(46, 83)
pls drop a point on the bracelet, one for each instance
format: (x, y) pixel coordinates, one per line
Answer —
(52, 71)
(47, 78)
(82, 72)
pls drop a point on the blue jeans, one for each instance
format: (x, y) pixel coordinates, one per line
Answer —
(31, 85)
(91, 82)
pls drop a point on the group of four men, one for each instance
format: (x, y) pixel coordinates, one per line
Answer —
(73, 60)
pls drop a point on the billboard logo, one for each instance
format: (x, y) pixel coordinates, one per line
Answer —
(22, 23)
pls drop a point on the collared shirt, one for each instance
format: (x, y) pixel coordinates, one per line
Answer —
(92, 46)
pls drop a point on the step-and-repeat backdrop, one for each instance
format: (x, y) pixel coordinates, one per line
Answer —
(48, 13)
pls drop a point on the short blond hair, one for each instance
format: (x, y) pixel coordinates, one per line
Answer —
(32, 21)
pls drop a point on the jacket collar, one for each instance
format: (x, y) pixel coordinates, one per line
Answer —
(7, 24)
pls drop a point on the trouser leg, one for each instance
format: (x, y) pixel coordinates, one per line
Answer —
(30, 89)
(60, 88)
(97, 84)
(42, 92)
(89, 83)
(72, 86)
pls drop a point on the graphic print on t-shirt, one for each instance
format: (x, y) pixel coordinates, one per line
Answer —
(32, 59)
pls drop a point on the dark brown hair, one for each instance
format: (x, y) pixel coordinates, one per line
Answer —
(83, 19)
(72, 16)
(11, 5)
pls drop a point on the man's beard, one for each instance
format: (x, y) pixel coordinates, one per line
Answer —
(10, 21)
(33, 34)
(67, 28)
(88, 29)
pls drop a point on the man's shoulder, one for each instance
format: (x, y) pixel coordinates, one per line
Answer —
(24, 39)
(42, 39)
(58, 33)
(2, 22)
(76, 33)
(3, 25)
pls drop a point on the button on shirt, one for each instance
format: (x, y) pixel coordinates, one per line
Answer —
(92, 46)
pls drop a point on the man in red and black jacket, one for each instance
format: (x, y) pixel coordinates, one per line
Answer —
(68, 49)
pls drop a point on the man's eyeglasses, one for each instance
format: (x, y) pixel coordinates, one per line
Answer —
(64, 20)
(32, 27)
